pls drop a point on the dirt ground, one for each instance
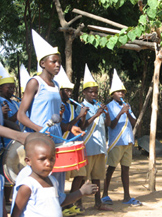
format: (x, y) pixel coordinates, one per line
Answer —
(152, 201)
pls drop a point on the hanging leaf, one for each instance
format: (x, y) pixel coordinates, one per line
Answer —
(131, 35)
(152, 3)
(123, 39)
(138, 31)
(90, 39)
(143, 19)
(84, 37)
(151, 13)
(112, 42)
(103, 41)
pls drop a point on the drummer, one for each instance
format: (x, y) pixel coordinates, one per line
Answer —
(95, 138)
(70, 116)
(41, 97)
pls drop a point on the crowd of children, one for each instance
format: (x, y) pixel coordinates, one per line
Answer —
(38, 191)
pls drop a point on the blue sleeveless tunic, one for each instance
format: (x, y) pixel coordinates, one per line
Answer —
(46, 102)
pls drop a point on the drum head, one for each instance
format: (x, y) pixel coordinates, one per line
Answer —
(13, 160)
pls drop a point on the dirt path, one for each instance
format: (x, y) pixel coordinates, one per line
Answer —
(152, 202)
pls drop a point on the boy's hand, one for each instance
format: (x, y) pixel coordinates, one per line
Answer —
(125, 109)
(83, 111)
(99, 112)
(88, 188)
(76, 131)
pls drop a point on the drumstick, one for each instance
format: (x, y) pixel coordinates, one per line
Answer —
(56, 137)
(75, 137)
(95, 101)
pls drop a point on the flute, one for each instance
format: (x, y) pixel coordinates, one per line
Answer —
(130, 111)
(95, 101)
(72, 100)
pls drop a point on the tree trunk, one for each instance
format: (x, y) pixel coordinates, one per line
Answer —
(153, 124)
(68, 54)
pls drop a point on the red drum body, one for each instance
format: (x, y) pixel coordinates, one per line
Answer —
(70, 156)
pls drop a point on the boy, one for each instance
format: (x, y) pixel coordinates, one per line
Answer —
(95, 139)
(69, 116)
(120, 136)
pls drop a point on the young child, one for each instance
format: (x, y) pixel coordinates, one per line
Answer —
(70, 117)
(38, 194)
(120, 140)
(95, 139)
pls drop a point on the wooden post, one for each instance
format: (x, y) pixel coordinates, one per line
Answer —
(153, 124)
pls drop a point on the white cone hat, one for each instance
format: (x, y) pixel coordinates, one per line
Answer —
(24, 77)
(116, 83)
(5, 78)
(88, 79)
(63, 79)
(42, 47)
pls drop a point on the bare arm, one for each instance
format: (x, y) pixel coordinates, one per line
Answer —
(67, 126)
(30, 91)
(123, 110)
(90, 120)
(86, 189)
(12, 134)
(22, 198)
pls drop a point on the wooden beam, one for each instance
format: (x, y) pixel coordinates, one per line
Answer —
(95, 17)
(103, 29)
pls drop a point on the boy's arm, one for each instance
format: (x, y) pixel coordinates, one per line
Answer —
(67, 126)
(90, 120)
(132, 120)
(123, 110)
(22, 198)
(86, 189)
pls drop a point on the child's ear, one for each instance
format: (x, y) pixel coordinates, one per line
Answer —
(27, 161)
(42, 64)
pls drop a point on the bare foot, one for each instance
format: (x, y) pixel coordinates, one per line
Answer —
(103, 207)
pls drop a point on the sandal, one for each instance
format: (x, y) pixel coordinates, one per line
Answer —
(106, 200)
(66, 212)
(77, 210)
(133, 202)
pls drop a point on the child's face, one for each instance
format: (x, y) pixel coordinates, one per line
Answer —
(7, 90)
(118, 94)
(90, 94)
(42, 160)
(52, 64)
(66, 93)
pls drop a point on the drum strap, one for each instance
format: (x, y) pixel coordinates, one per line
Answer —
(17, 110)
(66, 134)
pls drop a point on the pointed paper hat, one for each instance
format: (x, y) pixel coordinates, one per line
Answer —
(88, 79)
(116, 83)
(42, 47)
(63, 79)
(24, 77)
(5, 78)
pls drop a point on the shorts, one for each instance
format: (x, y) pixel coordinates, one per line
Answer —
(96, 167)
(122, 154)
(75, 173)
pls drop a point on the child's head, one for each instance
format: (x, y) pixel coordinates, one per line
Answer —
(40, 153)
(116, 95)
(7, 90)
(66, 93)
(90, 93)
(51, 63)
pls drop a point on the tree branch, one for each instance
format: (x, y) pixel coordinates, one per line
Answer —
(118, 25)
(74, 19)
(63, 22)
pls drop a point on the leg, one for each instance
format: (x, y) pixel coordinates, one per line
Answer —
(109, 173)
(125, 182)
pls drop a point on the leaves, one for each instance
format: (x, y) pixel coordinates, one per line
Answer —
(152, 3)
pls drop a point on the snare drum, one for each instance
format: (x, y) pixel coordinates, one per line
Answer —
(70, 156)
(13, 160)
